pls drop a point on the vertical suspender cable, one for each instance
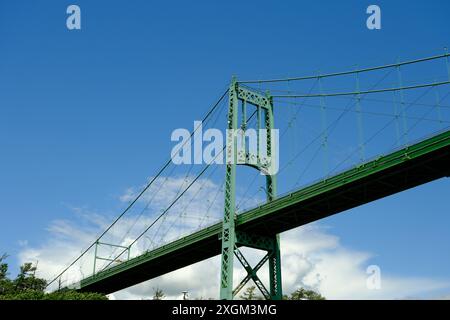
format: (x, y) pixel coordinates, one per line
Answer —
(402, 106)
(359, 121)
(324, 128)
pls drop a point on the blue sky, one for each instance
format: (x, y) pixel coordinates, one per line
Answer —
(86, 114)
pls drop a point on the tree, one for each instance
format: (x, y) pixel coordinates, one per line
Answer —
(303, 294)
(26, 280)
(5, 284)
(3, 267)
(26, 286)
(249, 294)
(158, 294)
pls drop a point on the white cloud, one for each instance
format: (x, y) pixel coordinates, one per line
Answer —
(340, 273)
(311, 256)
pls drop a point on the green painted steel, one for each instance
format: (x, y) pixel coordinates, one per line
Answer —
(276, 292)
(406, 168)
(230, 236)
(252, 275)
(228, 228)
(362, 171)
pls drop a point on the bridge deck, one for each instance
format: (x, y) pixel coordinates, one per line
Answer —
(420, 163)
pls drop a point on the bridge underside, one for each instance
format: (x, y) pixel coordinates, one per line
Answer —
(407, 168)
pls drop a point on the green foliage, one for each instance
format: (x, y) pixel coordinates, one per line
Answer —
(303, 294)
(74, 295)
(5, 284)
(26, 286)
(57, 295)
(24, 295)
(3, 267)
(299, 294)
(27, 281)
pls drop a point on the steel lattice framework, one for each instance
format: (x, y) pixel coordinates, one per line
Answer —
(232, 238)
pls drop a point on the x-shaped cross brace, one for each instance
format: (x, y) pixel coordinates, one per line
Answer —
(251, 273)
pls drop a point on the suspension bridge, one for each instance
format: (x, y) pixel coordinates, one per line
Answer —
(346, 139)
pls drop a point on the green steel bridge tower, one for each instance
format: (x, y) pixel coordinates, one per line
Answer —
(232, 239)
